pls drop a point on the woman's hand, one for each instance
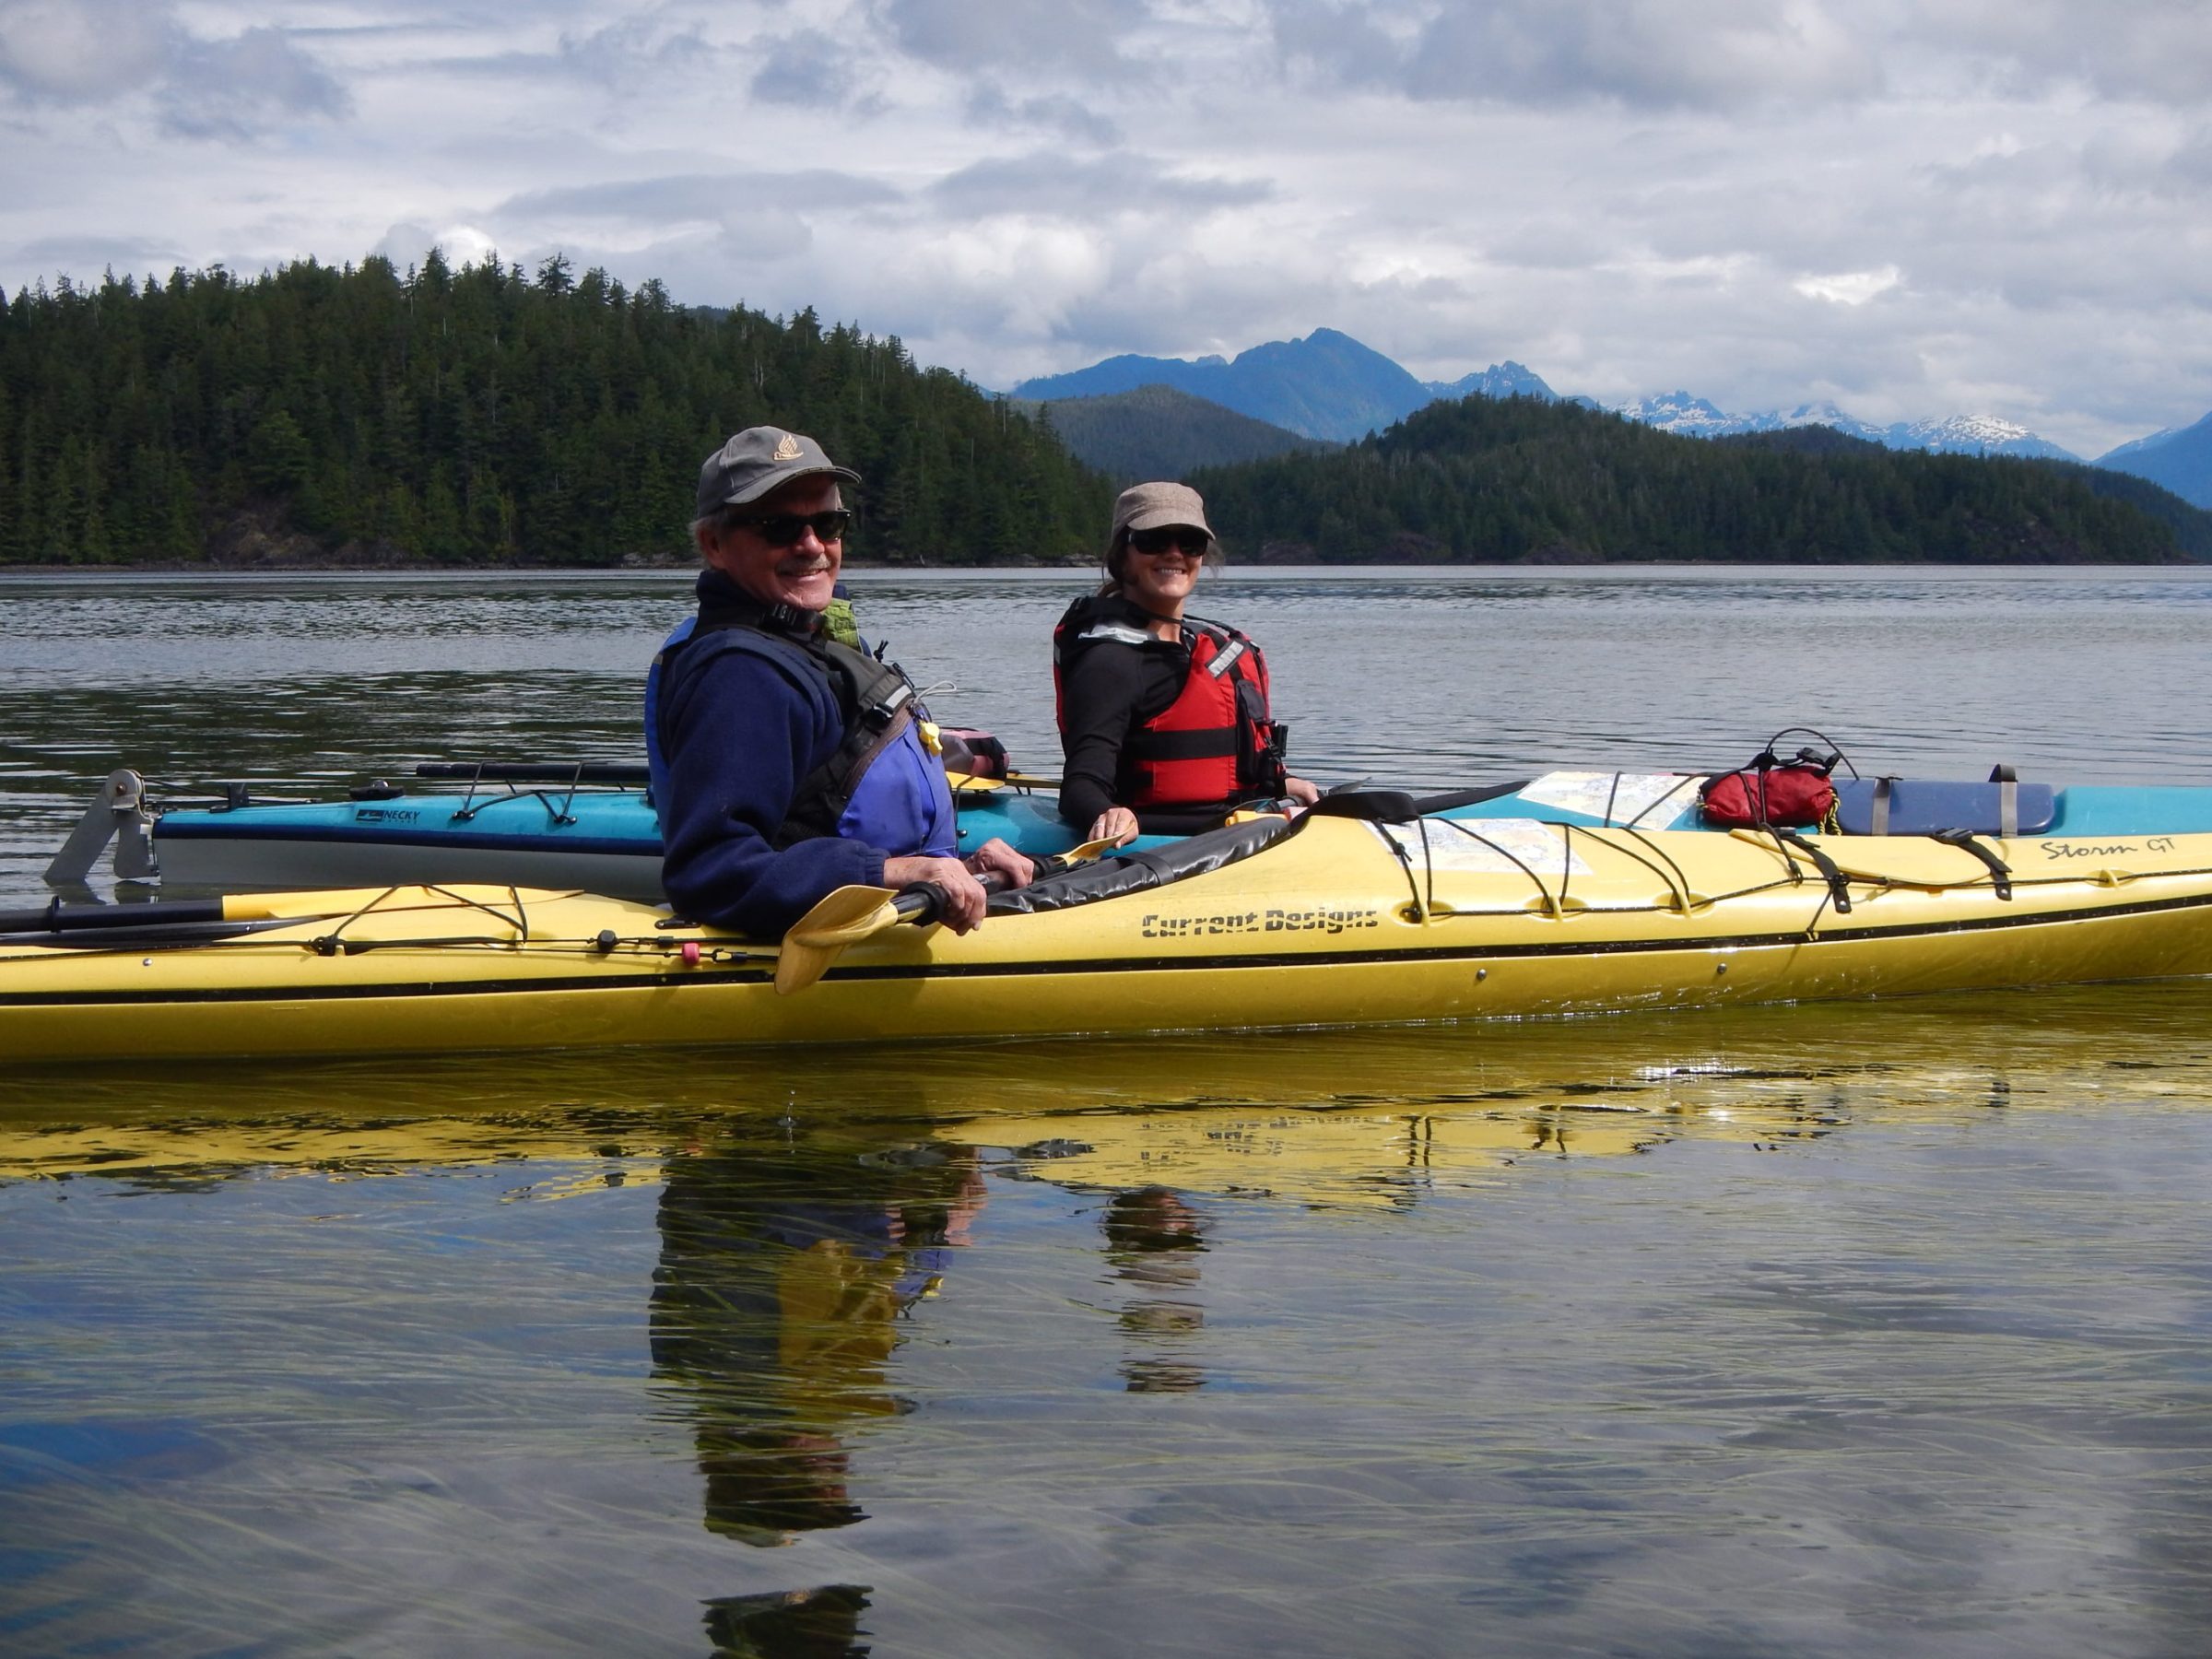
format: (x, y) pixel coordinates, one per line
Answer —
(1298, 790)
(964, 895)
(1117, 822)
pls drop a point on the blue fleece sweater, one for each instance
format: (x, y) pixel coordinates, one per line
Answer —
(743, 733)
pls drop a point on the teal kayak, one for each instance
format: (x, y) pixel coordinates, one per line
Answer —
(599, 837)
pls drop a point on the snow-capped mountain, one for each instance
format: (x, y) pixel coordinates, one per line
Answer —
(1689, 416)
(1330, 387)
(1974, 435)
(1508, 379)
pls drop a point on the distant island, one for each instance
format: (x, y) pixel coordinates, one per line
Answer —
(320, 415)
(359, 416)
(1520, 479)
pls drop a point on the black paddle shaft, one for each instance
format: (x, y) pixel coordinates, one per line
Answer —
(536, 772)
(58, 917)
(924, 901)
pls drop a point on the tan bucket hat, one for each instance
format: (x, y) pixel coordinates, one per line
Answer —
(1152, 506)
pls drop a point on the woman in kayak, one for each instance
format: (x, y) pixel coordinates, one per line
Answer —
(1164, 718)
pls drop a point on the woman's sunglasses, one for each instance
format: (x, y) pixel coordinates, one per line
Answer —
(781, 529)
(1152, 543)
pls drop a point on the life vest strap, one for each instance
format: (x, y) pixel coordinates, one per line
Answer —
(1209, 743)
(875, 700)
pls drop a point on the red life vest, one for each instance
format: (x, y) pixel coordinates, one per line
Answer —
(1216, 744)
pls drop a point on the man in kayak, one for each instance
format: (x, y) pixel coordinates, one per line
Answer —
(795, 764)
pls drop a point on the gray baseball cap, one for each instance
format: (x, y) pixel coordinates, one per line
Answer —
(758, 459)
(1149, 506)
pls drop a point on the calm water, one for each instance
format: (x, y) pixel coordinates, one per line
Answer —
(1813, 1331)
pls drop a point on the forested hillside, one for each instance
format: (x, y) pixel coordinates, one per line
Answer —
(1506, 480)
(477, 416)
(1158, 432)
(316, 414)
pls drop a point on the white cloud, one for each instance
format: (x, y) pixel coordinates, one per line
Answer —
(241, 87)
(2148, 51)
(969, 35)
(991, 106)
(405, 245)
(1050, 183)
(91, 53)
(1628, 196)
(1850, 287)
(83, 51)
(1654, 54)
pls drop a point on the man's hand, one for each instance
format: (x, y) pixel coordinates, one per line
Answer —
(1298, 790)
(965, 895)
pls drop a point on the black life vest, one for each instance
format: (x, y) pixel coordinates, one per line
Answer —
(1217, 743)
(876, 700)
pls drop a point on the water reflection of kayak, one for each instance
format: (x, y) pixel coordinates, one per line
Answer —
(1356, 1118)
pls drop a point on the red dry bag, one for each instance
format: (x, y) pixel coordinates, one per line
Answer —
(1780, 798)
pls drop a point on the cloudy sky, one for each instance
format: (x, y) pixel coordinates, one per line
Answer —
(1909, 208)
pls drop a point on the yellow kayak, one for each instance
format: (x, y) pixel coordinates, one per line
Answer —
(1331, 921)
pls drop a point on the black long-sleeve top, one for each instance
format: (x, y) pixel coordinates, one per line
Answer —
(1108, 691)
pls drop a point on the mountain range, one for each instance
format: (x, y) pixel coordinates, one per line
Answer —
(2181, 461)
(1522, 481)
(1327, 386)
(1330, 387)
(1689, 417)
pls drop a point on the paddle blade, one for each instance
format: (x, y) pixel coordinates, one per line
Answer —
(819, 938)
(853, 914)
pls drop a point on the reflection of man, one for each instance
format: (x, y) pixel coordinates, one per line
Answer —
(1153, 1239)
(775, 1310)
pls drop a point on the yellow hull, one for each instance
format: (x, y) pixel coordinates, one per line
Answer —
(1340, 924)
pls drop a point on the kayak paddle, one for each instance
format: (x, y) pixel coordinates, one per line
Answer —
(853, 914)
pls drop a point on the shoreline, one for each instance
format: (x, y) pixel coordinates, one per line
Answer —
(338, 568)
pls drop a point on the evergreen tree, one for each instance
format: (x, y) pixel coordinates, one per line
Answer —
(1500, 480)
(478, 414)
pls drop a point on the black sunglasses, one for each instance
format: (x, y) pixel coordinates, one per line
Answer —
(1153, 543)
(781, 529)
